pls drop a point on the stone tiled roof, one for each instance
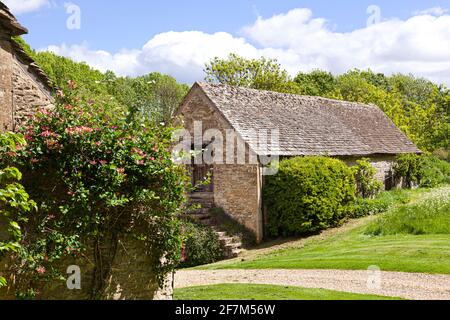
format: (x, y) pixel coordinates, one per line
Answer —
(308, 125)
(9, 22)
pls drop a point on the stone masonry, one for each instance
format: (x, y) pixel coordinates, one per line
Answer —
(237, 187)
(23, 88)
(6, 76)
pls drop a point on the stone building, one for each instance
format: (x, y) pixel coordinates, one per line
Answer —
(301, 125)
(24, 87)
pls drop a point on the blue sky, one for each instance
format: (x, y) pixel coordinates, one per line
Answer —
(133, 37)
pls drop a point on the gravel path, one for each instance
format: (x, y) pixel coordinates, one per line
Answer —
(416, 286)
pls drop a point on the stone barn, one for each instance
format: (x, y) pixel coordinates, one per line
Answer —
(24, 87)
(267, 125)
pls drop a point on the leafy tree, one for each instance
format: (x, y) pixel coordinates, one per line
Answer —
(154, 95)
(262, 74)
(316, 83)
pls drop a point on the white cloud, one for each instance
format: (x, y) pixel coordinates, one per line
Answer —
(24, 6)
(435, 11)
(301, 42)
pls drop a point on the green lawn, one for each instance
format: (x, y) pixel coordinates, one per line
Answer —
(356, 249)
(266, 292)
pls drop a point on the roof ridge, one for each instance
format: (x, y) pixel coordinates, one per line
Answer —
(203, 84)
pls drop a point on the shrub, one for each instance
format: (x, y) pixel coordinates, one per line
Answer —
(434, 172)
(368, 186)
(410, 168)
(307, 195)
(366, 207)
(15, 203)
(97, 177)
(201, 245)
(381, 203)
(422, 170)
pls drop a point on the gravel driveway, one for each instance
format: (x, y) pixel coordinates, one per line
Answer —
(415, 286)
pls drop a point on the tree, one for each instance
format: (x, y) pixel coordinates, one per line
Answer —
(155, 95)
(261, 74)
(316, 83)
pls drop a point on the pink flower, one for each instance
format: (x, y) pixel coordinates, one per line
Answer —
(138, 151)
(41, 270)
(78, 130)
(46, 134)
(121, 170)
(103, 162)
(151, 158)
(72, 84)
(45, 112)
(98, 143)
(183, 253)
(93, 162)
(34, 160)
(140, 162)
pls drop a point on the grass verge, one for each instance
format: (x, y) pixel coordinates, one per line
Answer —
(266, 292)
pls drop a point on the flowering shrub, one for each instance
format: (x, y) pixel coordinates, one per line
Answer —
(97, 175)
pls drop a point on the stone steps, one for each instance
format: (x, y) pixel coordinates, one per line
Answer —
(232, 245)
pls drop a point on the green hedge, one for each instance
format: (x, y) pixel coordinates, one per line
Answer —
(201, 245)
(308, 195)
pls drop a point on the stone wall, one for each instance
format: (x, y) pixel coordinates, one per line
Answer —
(130, 279)
(29, 95)
(237, 187)
(382, 163)
(21, 92)
(6, 74)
